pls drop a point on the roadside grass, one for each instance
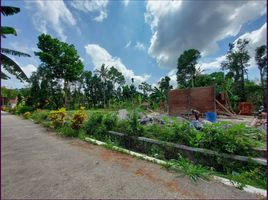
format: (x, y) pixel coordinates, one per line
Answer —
(182, 166)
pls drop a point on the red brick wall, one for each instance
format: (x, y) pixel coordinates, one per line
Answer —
(181, 101)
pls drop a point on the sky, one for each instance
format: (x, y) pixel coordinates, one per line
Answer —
(142, 39)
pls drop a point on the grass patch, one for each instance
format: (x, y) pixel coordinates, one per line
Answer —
(185, 167)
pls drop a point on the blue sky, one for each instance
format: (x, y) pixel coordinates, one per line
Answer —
(143, 39)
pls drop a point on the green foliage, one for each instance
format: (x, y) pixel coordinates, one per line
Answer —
(135, 128)
(59, 61)
(236, 63)
(228, 139)
(66, 130)
(26, 115)
(255, 177)
(58, 117)
(186, 67)
(20, 109)
(78, 118)
(94, 125)
(110, 121)
(40, 115)
(186, 167)
(6, 62)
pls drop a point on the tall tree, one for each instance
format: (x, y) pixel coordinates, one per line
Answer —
(164, 85)
(146, 88)
(60, 60)
(236, 63)
(187, 67)
(260, 57)
(6, 62)
(103, 74)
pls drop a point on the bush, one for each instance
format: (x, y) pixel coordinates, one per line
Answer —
(94, 124)
(78, 118)
(110, 121)
(68, 131)
(58, 117)
(20, 109)
(135, 128)
(40, 115)
(27, 115)
(232, 139)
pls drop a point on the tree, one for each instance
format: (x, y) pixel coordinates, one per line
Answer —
(115, 76)
(236, 63)
(164, 85)
(146, 88)
(6, 62)
(186, 67)
(260, 57)
(103, 74)
(60, 62)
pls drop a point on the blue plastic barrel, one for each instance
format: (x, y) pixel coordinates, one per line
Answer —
(211, 116)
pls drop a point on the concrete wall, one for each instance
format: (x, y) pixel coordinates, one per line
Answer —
(181, 101)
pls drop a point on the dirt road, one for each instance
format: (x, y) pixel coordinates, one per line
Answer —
(38, 164)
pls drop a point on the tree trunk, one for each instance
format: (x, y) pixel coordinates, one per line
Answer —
(243, 96)
(66, 103)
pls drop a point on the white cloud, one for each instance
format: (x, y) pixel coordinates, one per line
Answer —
(213, 65)
(128, 44)
(125, 2)
(140, 46)
(13, 82)
(99, 7)
(51, 15)
(29, 69)
(179, 25)
(256, 38)
(99, 56)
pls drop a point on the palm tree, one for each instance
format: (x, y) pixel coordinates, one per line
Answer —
(6, 62)
(103, 74)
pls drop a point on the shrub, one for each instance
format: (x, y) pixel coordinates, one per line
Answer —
(232, 139)
(78, 118)
(20, 109)
(40, 115)
(58, 117)
(27, 115)
(110, 121)
(135, 128)
(94, 124)
(68, 131)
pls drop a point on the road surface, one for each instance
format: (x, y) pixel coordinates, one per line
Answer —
(39, 164)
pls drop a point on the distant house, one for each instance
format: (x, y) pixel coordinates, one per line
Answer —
(12, 102)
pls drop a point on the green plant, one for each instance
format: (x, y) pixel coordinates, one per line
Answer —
(78, 118)
(58, 117)
(110, 121)
(135, 128)
(94, 125)
(26, 115)
(67, 131)
(20, 109)
(184, 166)
(40, 115)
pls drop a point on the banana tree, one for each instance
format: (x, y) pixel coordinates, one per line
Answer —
(6, 62)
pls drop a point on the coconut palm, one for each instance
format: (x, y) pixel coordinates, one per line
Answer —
(6, 62)
(103, 74)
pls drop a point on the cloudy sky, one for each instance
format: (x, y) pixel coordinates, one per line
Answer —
(142, 39)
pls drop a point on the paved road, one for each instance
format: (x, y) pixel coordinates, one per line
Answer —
(38, 164)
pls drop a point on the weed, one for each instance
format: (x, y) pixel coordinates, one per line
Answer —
(184, 166)
(67, 131)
